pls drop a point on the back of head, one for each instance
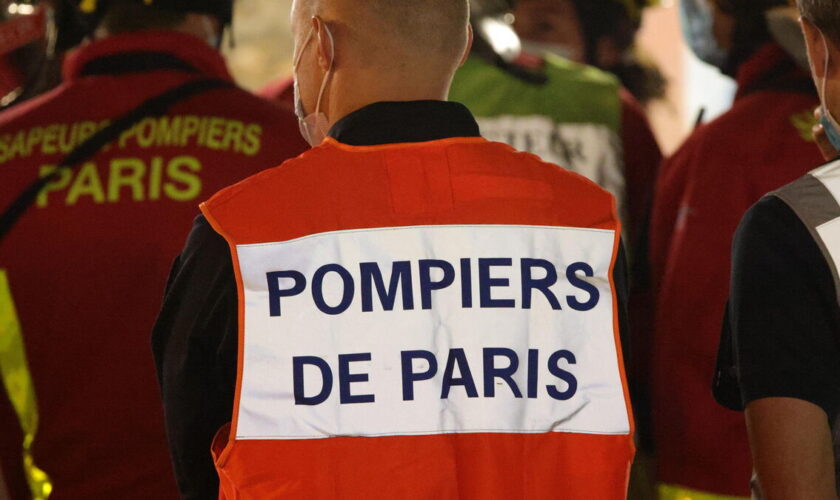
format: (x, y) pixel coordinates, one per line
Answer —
(395, 34)
(825, 15)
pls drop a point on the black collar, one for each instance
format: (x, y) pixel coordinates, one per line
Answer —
(398, 122)
(136, 61)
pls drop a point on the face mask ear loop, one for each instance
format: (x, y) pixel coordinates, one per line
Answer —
(825, 71)
(299, 55)
(329, 70)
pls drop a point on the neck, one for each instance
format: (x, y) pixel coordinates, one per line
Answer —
(348, 93)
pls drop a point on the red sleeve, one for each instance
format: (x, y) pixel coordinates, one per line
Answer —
(671, 184)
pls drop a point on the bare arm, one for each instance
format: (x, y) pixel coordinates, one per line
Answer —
(784, 321)
(792, 449)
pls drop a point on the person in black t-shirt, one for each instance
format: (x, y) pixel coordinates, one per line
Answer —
(779, 358)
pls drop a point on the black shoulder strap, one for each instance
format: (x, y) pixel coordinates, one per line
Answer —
(155, 106)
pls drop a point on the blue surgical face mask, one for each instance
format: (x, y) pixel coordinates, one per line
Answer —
(697, 21)
(831, 127)
(827, 120)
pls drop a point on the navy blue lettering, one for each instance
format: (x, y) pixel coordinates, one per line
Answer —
(372, 276)
(458, 357)
(466, 283)
(427, 285)
(318, 289)
(275, 293)
(298, 363)
(533, 372)
(581, 284)
(492, 372)
(345, 378)
(529, 283)
(486, 283)
(408, 374)
(554, 368)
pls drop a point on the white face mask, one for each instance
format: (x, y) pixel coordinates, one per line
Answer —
(542, 48)
(313, 127)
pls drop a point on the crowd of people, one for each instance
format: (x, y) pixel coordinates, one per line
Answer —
(443, 258)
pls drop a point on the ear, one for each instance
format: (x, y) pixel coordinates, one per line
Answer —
(469, 45)
(816, 48)
(326, 43)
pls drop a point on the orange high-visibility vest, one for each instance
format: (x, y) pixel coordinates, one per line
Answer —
(432, 320)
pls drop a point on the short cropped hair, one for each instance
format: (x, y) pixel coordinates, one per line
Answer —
(419, 29)
(125, 16)
(435, 25)
(825, 15)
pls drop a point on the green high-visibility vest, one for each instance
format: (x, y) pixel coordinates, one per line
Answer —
(574, 120)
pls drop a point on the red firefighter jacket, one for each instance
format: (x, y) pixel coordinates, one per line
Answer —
(87, 264)
(762, 143)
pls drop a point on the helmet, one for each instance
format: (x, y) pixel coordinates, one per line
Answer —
(27, 40)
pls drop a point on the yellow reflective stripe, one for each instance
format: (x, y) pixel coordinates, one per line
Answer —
(18, 383)
(673, 492)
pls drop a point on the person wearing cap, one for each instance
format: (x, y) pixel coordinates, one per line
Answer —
(763, 142)
(407, 310)
(780, 348)
(84, 267)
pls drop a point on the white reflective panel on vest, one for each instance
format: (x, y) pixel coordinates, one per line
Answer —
(589, 149)
(829, 232)
(429, 330)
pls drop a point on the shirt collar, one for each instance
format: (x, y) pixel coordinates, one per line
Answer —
(142, 50)
(400, 122)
